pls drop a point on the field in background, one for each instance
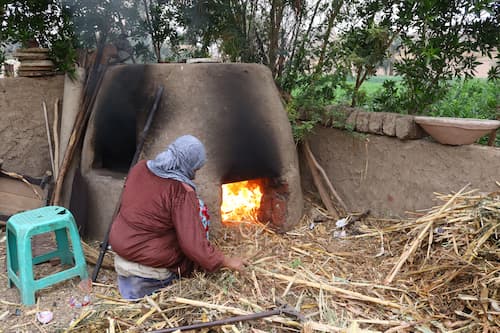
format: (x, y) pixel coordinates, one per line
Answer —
(474, 98)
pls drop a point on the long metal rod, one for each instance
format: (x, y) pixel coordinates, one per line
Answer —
(221, 322)
(138, 150)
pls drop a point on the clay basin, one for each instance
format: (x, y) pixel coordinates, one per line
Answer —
(456, 131)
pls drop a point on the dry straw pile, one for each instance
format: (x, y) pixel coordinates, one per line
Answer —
(439, 272)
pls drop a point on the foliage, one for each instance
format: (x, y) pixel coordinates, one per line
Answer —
(225, 23)
(364, 48)
(29, 21)
(97, 22)
(63, 50)
(296, 263)
(311, 48)
(438, 39)
(319, 52)
(142, 50)
(389, 98)
(309, 99)
(42, 23)
(469, 99)
(94, 21)
(466, 98)
(494, 71)
(159, 23)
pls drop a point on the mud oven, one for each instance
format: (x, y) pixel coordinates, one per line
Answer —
(234, 109)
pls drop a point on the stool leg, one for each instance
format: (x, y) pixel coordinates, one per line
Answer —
(78, 251)
(12, 258)
(26, 278)
(63, 246)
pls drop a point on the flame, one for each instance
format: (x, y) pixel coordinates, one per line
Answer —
(241, 201)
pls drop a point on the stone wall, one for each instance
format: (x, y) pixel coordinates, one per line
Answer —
(382, 123)
(391, 177)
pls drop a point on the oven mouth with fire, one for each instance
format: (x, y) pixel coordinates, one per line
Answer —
(255, 201)
(252, 173)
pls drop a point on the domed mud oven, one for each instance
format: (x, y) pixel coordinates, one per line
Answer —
(234, 109)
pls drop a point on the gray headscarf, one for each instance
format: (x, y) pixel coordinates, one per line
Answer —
(180, 161)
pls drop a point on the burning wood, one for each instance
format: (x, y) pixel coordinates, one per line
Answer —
(241, 201)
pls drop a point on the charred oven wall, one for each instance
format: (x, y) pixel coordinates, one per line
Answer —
(235, 110)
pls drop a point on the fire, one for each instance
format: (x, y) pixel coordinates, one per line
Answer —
(241, 201)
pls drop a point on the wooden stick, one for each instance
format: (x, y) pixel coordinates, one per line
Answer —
(344, 292)
(315, 326)
(55, 133)
(471, 251)
(319, 185)
(221, 308)
(79, 319)
(116, 300)
(111, 325)
(10, 303)
(145, 316)
(49, 139)
(325, 177)
(383, 322)
(78, 131)
(430, 218)
(256, 285)
(24, 180)
(157, 308)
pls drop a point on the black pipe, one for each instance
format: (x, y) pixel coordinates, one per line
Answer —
(221, 322)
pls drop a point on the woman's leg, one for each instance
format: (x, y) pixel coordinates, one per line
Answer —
(134, 287)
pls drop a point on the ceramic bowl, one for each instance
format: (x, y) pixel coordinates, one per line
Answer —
(456, 131)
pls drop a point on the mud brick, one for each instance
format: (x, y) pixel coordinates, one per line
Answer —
(406, 128)
(336, 115)
(350, 123)
(376, 123)
(362, 122)
(389, 126)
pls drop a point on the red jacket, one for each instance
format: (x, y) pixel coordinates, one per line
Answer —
(159, 225)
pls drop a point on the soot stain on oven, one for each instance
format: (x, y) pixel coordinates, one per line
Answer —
(121, 109)
(245, 140)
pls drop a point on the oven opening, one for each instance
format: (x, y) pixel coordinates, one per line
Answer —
(241, 202)
(260, 201)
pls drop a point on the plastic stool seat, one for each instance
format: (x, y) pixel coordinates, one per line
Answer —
(20, 228)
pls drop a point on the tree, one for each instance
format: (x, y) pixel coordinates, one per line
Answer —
(149, 23)
(159, 23)
(97, 22)
(439, 42)
(42, 23)
(234, 25)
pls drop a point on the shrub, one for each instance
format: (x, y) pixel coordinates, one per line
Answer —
(474, 98)
(388, 98)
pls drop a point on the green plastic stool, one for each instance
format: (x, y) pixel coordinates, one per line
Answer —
(20, 228)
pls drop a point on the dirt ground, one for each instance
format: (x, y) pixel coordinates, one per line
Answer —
(334, 281)
(60, 299)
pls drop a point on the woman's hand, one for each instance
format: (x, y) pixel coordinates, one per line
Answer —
(234, 263)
